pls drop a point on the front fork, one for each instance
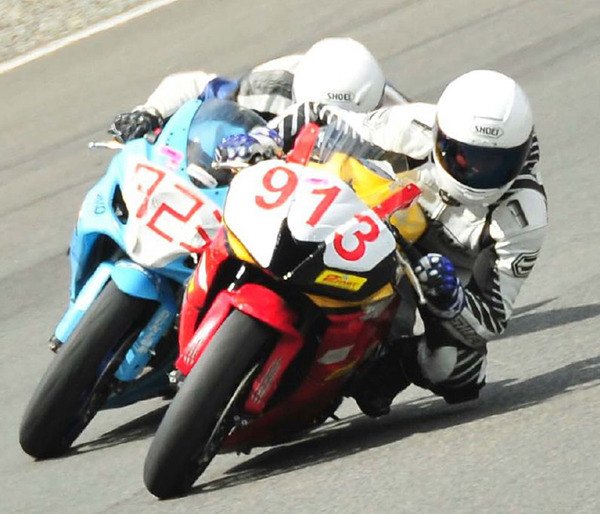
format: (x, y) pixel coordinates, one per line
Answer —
(142, 349)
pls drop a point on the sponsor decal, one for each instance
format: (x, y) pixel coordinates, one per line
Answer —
(173, 157)
(154, 331)
(316, 181)
(338, 96)
(523, 264)
(266, 381)
(340, 280)
(488, 131)
(99, 207)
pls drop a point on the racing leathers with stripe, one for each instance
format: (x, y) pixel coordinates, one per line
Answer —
(266, 89)
(494, 247)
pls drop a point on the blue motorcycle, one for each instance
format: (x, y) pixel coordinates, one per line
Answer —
(136, 242)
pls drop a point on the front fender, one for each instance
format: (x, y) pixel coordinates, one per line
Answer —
(266, 306)
(81, 303)
(128, 277)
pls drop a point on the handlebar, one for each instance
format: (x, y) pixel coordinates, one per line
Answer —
(112, 144)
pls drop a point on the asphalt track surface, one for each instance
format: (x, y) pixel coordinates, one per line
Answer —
(530, 444)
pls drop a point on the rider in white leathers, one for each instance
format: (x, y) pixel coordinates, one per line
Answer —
(475, 156)
(334, 71)
(487, 214)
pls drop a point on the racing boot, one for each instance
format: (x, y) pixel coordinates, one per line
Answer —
(381, 383)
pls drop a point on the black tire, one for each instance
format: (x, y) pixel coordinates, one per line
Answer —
(202, 410)
(79, 379)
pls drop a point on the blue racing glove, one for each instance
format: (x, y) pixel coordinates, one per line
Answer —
(441, 287)
(243, 150)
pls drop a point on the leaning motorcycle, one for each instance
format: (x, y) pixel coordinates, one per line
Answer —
(289, 301)
(139, 231)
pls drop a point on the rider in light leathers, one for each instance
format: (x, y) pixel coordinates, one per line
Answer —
(487, 214)
(334, 71)
(475, 155)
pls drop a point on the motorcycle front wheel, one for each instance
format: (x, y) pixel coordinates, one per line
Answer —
(202, 413)
(81, 376)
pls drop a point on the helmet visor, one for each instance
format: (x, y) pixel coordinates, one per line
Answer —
(480, 167)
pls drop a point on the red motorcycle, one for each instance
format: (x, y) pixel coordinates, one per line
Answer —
(289, 301)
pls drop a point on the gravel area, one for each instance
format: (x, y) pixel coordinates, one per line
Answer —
(29, 24)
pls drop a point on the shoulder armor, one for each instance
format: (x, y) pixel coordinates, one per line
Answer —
(524, 210)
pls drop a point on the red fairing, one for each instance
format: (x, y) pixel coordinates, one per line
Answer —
(304, 144)
(195, 295)
(347, 340)
(188, 319)
(260, 303)
(402, 199)
(196, 345)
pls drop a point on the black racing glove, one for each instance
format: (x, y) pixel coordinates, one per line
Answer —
(135, 124)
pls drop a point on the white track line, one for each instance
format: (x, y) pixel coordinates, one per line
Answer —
(82, 34)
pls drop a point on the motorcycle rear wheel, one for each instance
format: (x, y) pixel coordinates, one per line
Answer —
(79, 379)
(202, 413)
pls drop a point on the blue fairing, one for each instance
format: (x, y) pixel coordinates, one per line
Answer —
(98, 250)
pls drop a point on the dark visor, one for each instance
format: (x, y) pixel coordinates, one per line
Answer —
(480, 167)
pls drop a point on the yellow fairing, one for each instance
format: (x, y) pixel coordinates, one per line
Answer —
(238, 249)
(191, 286)
(374, 189)
(331, 303)
(411, 222)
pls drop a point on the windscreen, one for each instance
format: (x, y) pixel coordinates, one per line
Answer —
(214, 120)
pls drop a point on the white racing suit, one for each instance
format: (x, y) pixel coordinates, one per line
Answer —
(266, 89)
(494, 248)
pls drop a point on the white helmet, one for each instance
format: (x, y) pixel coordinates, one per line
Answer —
(483, 135)
(339, 71)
